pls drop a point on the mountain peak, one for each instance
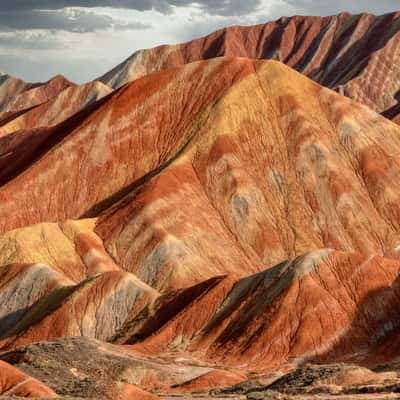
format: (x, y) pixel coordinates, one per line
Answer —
(340, 52)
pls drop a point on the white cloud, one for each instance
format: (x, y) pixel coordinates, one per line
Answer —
(93, 40)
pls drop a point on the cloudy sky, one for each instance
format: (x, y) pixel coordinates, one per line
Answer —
(82, 39)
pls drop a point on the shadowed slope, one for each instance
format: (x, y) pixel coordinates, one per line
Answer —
(96, 307)
(160, 218)
(322, 306)
(110, 148)
(356, 54)
(10, 87)
(20, 149)
(278, 166)
(21, 286)
(81, 291)
(300, 310)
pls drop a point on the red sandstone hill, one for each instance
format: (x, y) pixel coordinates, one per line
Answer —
(26, 106)
(357, 55)
(320, 307)
(15, 383)
(17, 95)
(228, 226)
(274, 164)
(62, 105)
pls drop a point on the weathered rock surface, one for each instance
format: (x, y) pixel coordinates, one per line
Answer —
(15, 383)
(334, 378)
(57, 109)
(89, 368)
(71, 248)
(266, 182)
(10, 88)
(321, 307)
(334, 381)
(17, 95)
(357, 55)
(325, 306)
(57, 280)
(22, 286)
(83, 368)
(96, 308)
(274, 165)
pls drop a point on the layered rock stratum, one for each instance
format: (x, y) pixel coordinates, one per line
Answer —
(227, 227)
(357, 55)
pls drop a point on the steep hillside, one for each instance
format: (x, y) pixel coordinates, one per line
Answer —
(358, 55)
(55, 110)
(321, 307)
(281, 164)
(10, 87)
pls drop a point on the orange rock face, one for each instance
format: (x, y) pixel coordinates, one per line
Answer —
(15, 383)
(62, 105)
(322, 307)
(37, 94)
(86, 309)
(272, 169)
(10, 87)
(358, 55)
(219, 223)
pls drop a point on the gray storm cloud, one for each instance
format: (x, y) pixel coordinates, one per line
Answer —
(84, 38)
(220, 7)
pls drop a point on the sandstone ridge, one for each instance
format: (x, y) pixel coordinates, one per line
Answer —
(357, 55)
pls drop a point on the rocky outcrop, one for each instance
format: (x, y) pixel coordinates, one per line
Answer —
(57, 280)
(90, 368)
(97, 307)
(70, 248)
(21, 287)
(325, 382)
(323, 306)
(27, 107)
(358, 55)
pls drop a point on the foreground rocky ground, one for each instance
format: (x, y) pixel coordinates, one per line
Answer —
(83, 368)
